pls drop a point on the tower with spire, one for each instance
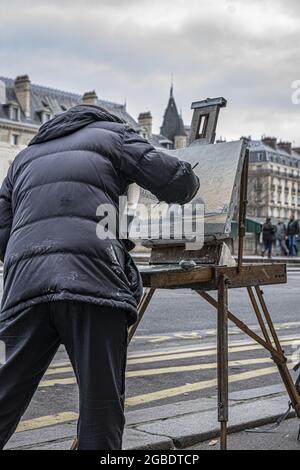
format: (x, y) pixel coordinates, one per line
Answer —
(173, 127)
(172, 134)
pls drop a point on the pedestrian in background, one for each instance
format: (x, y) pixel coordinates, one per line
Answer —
(280, 236)
(292, 234)
(268, 235)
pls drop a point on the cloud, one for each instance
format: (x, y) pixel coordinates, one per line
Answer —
(245, 51)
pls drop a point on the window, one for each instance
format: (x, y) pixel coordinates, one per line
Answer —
(15, 139)
(45, 116)
(202, 126)
(15, 113)
(261, 157)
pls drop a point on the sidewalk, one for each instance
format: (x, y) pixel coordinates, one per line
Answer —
(174, 426)
(263, 438)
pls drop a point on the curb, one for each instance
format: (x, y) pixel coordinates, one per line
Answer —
(158, 428)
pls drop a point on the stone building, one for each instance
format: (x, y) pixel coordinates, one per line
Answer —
(157, 140)
(274, 179)
(173, 133)
(7, 154)
(24, 107)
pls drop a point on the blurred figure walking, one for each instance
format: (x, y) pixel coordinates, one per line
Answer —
(268, 234)
(292, 234)
(281, 236)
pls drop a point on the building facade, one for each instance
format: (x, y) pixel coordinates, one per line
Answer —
(274, 171)
(24, 107)
(274, 179)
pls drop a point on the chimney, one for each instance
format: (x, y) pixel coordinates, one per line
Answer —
(270, 141)
(246, 138)
(22, 90)
(145, 120)
(286, 146)
(90, 97)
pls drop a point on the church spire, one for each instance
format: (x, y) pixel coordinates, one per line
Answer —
(172, 125)
(171, 87)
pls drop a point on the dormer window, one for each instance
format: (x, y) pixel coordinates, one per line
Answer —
(15, 113)
(44, 115)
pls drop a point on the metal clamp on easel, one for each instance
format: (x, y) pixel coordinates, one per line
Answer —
(205, 120)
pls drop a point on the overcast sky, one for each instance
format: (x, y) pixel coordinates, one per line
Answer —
(244, 50)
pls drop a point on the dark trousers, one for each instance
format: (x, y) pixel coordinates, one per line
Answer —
(268, 247)
(292, 245)
(96, 341)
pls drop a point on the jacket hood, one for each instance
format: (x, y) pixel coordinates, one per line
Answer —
(71, 121)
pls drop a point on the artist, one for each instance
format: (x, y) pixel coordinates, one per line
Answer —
(64, 285)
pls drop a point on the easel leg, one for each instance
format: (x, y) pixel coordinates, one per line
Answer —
(223, 359)
(147, 296)
(277, 353)
(281, 364)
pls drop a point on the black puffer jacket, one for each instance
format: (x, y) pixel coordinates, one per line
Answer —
(48, 203)
(268, 232)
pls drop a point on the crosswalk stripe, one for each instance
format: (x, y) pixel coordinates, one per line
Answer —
(206, 347)
(53, 382)
(58, 418)
(202, 353)
(43, 421)
(194, 367)
(168, 370)
(201, 348)
(58, 370)
(197, 386)
(65, 366)
(176, 351)
(164, 370)
(198, 334)
(174, 356)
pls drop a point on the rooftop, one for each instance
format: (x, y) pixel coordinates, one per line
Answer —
(44, 98)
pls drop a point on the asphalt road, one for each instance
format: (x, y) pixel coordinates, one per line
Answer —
(173, 355)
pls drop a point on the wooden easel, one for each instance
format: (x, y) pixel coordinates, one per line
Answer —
(165, 273)
(211, 274)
